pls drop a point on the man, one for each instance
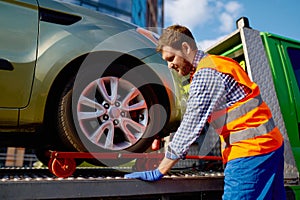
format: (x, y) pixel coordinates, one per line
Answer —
(222, 94)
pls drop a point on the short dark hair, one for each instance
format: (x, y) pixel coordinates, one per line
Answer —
(173, 36)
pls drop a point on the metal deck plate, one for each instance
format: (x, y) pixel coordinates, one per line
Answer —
(260, 72)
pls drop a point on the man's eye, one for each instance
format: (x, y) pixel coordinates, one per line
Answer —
(170, 59)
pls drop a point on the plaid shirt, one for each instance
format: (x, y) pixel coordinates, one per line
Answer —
(209, 90)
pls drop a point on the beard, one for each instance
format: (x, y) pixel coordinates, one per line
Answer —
(186, 68)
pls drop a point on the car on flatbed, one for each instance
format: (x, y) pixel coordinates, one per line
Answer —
(72, 79)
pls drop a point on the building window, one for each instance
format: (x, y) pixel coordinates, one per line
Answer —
(144, 13)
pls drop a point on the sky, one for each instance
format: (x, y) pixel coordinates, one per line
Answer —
(212, 20)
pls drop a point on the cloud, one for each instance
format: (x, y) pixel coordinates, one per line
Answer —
(227, 18)
(190, 13)
(217, 15)
(227, 22)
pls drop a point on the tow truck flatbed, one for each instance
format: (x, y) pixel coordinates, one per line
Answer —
(108, 183)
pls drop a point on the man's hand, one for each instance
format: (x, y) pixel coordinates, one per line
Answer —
(153, 175)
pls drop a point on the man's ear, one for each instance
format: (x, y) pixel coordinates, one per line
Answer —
(186, 49)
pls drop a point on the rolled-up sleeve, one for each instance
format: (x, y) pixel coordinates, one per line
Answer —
(206, 90)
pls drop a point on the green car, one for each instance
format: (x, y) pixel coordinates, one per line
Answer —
(72, 79)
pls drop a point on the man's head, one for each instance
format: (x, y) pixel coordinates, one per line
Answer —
(178, 48)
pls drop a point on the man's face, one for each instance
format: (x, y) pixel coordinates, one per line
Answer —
(176, 60)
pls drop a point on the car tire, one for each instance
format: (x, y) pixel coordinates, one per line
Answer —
(144, 121)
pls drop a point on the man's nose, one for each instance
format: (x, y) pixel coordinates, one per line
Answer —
(170, 65)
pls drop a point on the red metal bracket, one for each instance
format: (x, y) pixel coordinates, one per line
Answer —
(63, 164)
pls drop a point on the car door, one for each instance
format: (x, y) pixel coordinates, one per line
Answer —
(18, 50)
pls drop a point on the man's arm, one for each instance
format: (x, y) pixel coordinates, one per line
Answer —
(166, 164)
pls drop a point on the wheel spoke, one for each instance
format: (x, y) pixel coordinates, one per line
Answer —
(109, 141)
(131, 95)
(88, 115)
(138, 106)
(92, 104)
(95, 137)
(131, 135)
(114, 82)
(113, 88)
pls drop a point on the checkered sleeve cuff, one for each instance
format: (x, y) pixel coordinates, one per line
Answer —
(172, 154)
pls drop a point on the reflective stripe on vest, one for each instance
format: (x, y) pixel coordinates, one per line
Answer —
(237, 112)
(248, 133)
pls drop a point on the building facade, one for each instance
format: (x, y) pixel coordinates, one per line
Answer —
(144, 13)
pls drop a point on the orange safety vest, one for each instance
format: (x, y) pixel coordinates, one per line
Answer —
(246, 128)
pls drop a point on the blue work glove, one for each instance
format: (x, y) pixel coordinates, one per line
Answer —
(153, 175)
